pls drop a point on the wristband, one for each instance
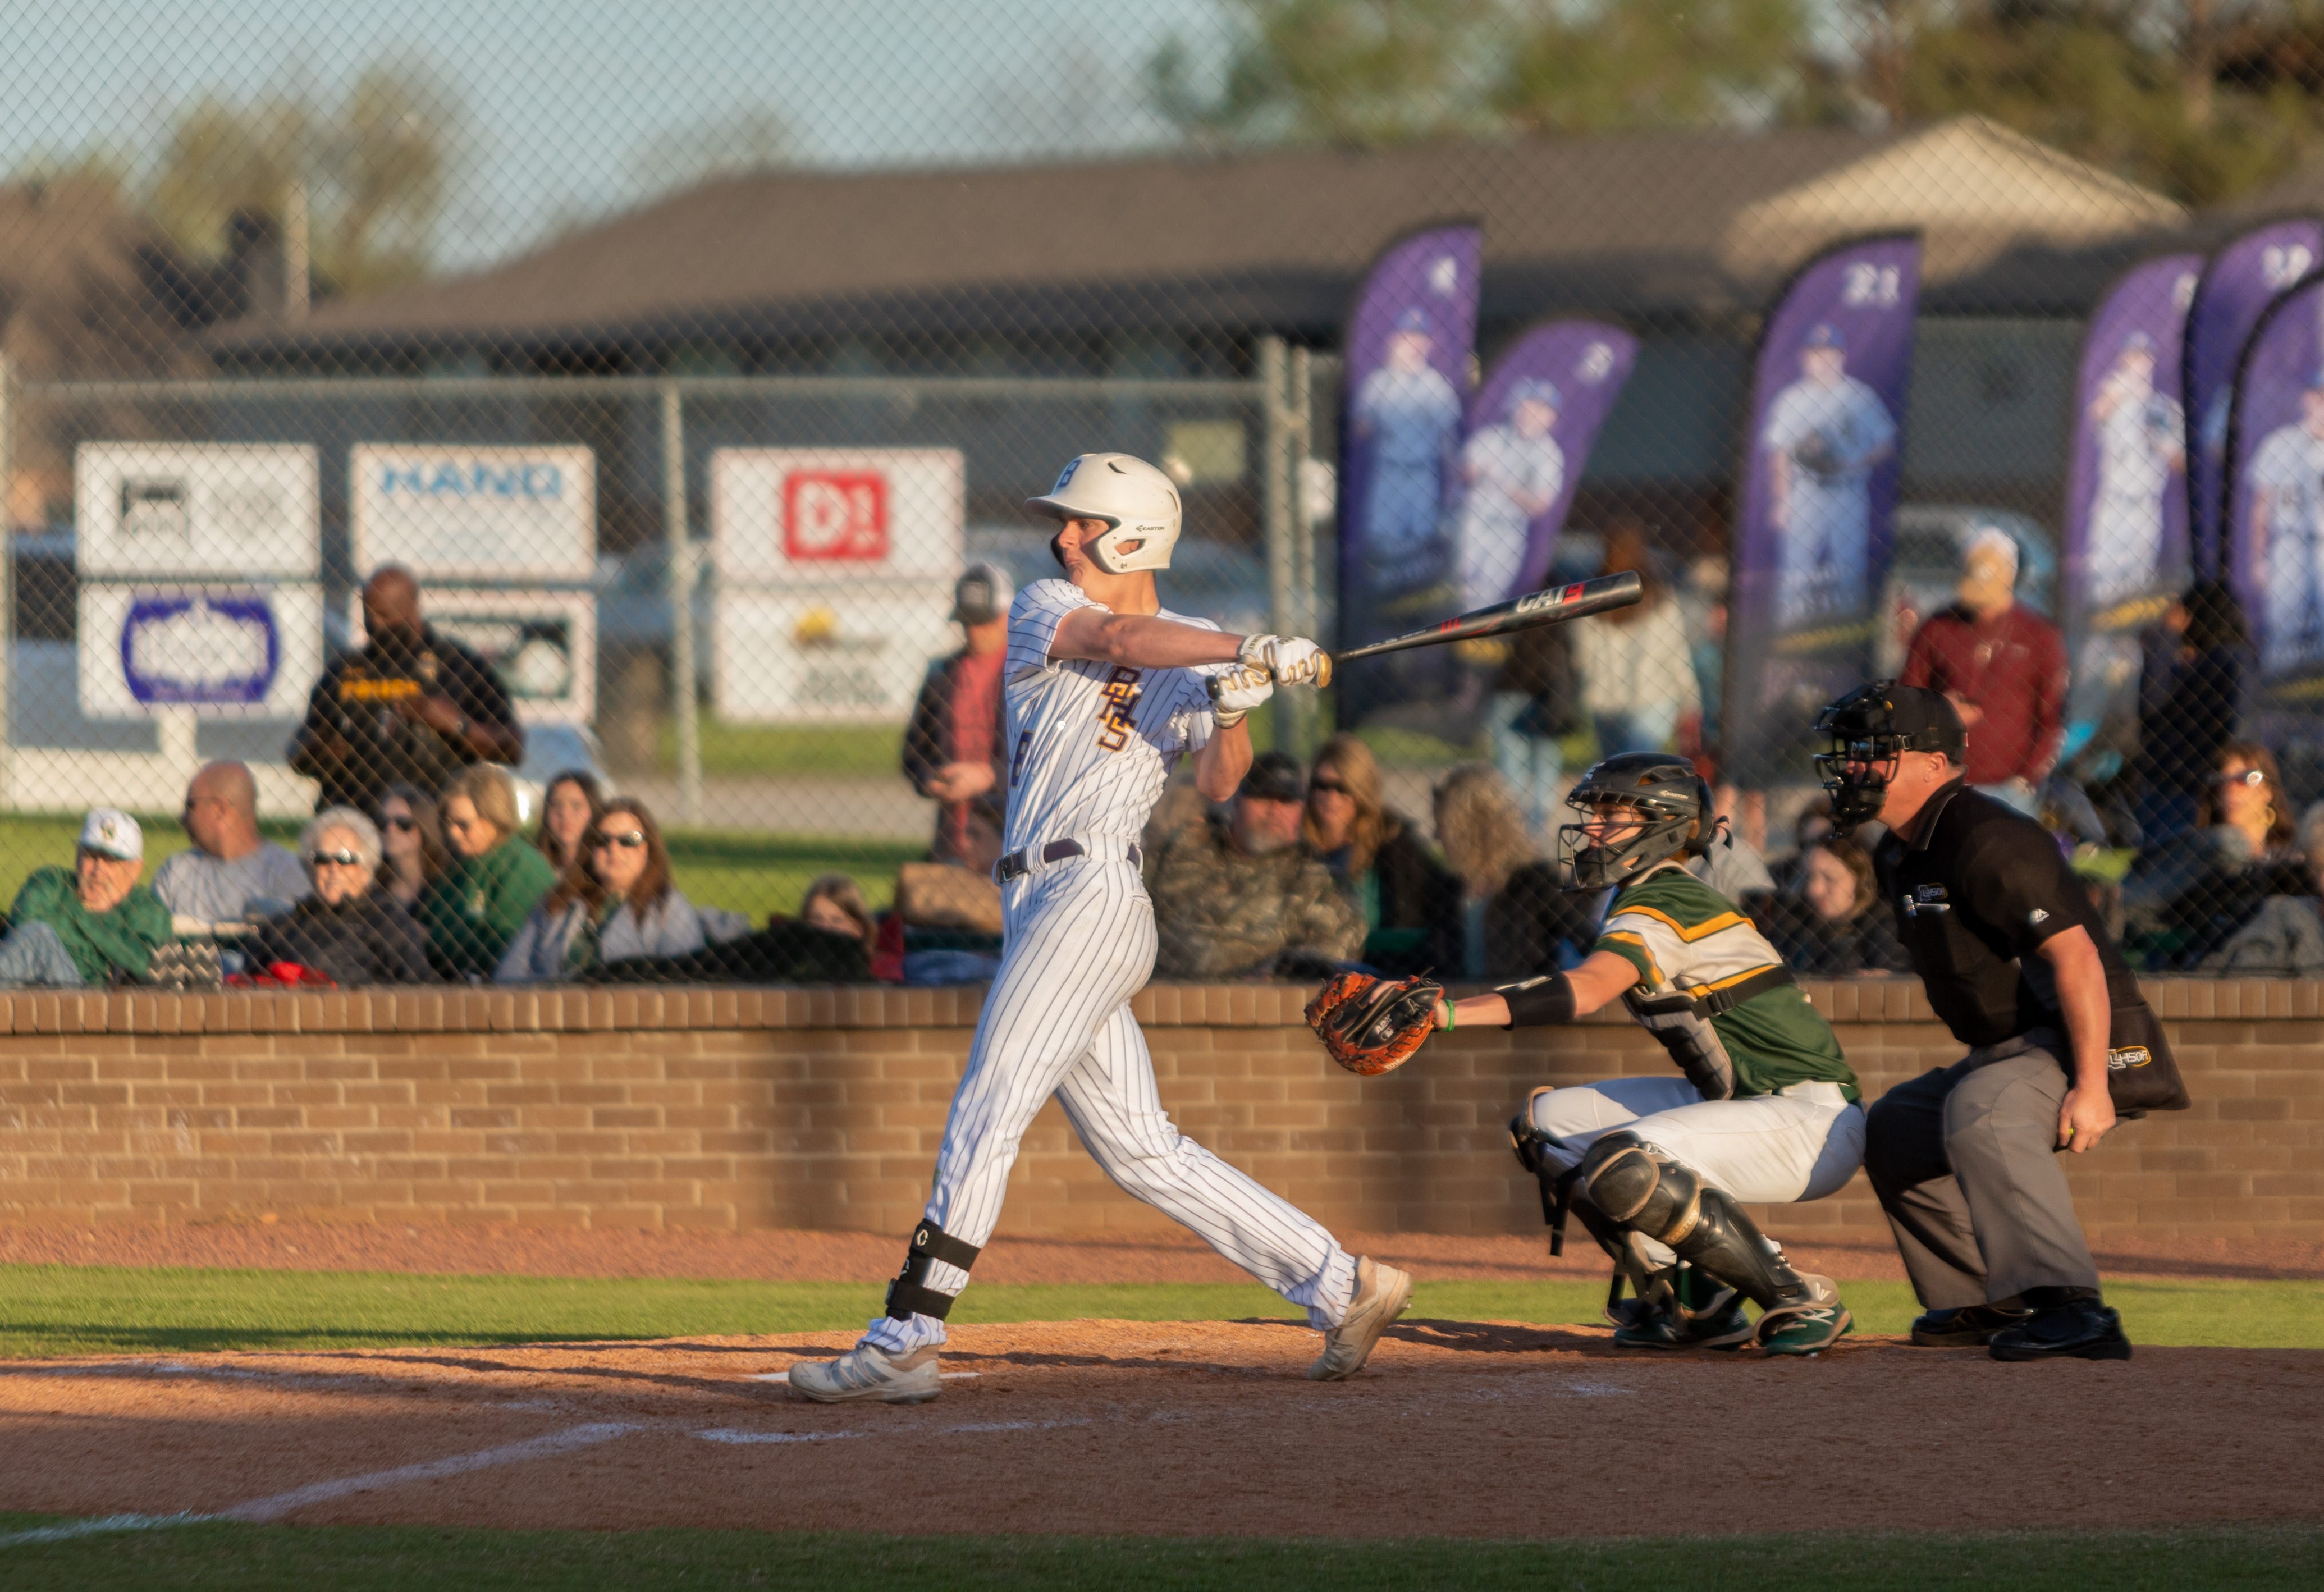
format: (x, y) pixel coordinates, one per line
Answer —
(1539, 1001)
(1444, 1013)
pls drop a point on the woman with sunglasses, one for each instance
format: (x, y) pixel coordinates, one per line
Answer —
(1411, 902)
(348, 929)
(495, 880)
(616, 904)
(2185, 898)
(412, 843)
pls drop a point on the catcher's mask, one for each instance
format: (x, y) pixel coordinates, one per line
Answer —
(1663, 795)
(1869, 728)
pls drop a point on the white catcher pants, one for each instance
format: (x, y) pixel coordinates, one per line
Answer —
(1769, 1149)
(1079, 943)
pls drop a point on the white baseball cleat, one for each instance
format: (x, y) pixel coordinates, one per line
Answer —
(865, 1372)
(1382, 1293)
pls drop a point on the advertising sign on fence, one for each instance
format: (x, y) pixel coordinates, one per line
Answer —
(473, 513)
(1818, 490)
(542, 644)
(146, 511)
(836, 516)
(221, 651)
(2275, 501)
(828, 654)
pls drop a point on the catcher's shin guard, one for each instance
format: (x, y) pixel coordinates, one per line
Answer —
(1640, 1188)
(909, 1294)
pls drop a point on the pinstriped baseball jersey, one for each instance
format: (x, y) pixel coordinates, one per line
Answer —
(1091, 745)
(1679, 934)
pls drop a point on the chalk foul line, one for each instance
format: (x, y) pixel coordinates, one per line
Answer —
(730, 1434)
(555, 1442)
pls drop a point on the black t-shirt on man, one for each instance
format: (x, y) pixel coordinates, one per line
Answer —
(356, 700)
(1976, 894)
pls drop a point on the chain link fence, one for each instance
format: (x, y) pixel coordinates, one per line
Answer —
(694, 370)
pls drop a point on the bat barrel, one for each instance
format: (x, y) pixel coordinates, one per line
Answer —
(1554, 605)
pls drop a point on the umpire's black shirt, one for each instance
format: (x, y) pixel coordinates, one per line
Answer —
(1975, 892)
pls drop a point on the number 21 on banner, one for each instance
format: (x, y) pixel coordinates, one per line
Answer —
(838, 516)
(1871, 284)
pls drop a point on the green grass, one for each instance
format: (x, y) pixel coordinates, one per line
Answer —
(378, 1559)
(788, 749)
(50, 1311)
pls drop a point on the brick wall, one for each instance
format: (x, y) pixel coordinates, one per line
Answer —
(823, 1108)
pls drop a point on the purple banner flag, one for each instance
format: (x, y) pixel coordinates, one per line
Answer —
(1818, 489)
(2276, 498)
(1527, 435)
(2230, 297)
(2125, 548)
(1410, 346)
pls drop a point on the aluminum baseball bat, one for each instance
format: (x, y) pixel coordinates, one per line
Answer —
(1554, 606)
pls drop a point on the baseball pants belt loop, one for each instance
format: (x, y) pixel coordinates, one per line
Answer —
(1018, 864)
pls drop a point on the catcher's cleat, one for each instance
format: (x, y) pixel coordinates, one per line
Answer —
(870, 1374)
(1650, 1327)
(1382, 1293)
(1809, 1323)
(2079, 1329)
(1968, 1327)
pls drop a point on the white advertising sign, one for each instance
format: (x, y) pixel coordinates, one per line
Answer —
(146, 511)
(829, 654)
(473, 513)
(809, 516)
(218, 652)
(542, 644)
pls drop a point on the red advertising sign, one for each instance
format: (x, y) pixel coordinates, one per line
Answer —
(835, 516)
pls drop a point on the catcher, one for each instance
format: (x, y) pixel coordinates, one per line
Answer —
(1657, 1168)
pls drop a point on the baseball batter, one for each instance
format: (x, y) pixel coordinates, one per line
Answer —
(1104, 691)
(1825, 434)
(1766, 1109)
(1516, 472)
(2286, 482)
(2141, 439)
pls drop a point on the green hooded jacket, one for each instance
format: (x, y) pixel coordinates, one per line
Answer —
(97, 942)
(473, 911)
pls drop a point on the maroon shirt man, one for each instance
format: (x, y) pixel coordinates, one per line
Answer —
(2002, 666)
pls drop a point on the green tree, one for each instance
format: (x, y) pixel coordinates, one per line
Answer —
(1625, 64)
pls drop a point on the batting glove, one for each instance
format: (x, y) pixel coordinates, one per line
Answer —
(1298, 661)
(1238, 691)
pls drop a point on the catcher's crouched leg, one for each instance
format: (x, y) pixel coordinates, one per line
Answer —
(1646, 1192)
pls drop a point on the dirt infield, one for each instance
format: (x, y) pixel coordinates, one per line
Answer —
(1459, 1429)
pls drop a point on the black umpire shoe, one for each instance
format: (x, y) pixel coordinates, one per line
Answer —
(1968, 1327)
(2079, 1329)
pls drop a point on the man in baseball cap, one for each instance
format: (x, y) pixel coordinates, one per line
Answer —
(953, 747)
(1235, 896)
(94, 924)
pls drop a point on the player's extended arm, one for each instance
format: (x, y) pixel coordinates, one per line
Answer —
(2087, 1112)
(1601, 977)
(1221, 762)
(1138, 640)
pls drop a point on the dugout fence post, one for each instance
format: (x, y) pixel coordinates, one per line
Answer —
(1278, 498)
(679, 574)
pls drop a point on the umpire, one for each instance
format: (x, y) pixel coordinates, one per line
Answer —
(2017, 965)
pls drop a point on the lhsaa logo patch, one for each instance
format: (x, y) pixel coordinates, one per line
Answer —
(1926, 899)
(2127, 1057)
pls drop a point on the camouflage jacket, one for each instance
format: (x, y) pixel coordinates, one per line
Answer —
(1221, 914)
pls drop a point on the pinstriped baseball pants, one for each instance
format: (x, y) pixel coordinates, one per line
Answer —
(1080, 943)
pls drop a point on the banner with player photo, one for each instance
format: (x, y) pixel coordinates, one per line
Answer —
(1820, 475)
(1409, 343)
(1525, 441)
(2230, 296)
(2275, 499)
(2126, 551)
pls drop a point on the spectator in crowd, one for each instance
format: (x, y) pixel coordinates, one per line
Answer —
(2284, 939)
(93, 924)
(1513, 912)
(955, 750)
(1703, 608)
(1240, 897)
(1636, 666)
(233, 873)
(1409, 902)
(495, 880)
(1830, 930)
(412, 705)
(1533, 708)
(569, 805)
(615, 905)
(348, 929)
(834, 904)
(2190, 701)
(412, 832)
(1789, 875)
(2004, 668)
(2183, 899)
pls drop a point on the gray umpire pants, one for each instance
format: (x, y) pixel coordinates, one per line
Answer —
(1965, 1160)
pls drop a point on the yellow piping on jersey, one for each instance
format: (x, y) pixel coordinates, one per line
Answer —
(1730, 979)
(1724, 921)
(1653, 968)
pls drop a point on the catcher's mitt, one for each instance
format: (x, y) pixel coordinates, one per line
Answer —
(1372, 1026)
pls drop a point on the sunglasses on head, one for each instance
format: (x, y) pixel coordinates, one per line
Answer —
(340, 858)
(628, 841)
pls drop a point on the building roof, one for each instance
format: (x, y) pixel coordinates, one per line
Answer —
(1635, 223)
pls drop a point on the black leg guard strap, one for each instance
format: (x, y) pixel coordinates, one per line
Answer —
(909, 1295)
(1643, 1190)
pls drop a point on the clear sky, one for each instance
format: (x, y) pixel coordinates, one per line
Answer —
(568, 101)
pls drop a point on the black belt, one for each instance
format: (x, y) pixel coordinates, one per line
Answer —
(1015, 866)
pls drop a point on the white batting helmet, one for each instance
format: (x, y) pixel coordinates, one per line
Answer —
(1133, 497)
